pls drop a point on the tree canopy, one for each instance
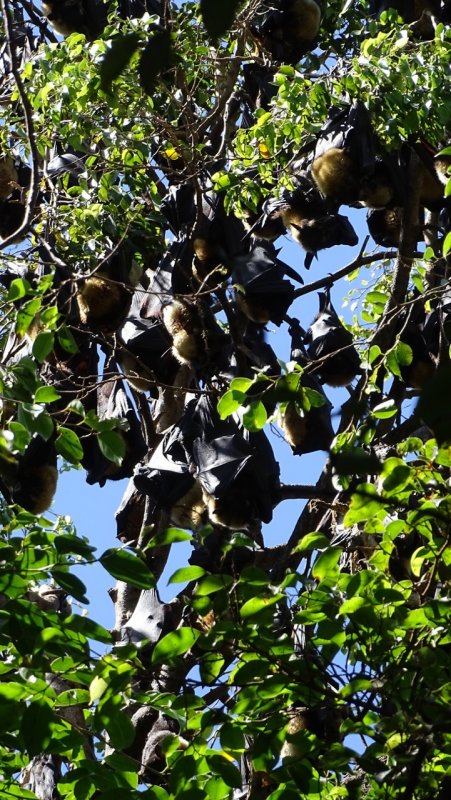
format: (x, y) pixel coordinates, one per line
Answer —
(152, 156)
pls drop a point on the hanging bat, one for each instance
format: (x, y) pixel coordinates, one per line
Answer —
(167, 477)
(196, 336)
(12, 209)
(238, 474)
(150, 620)
(306, 214)
(261, 291)
(431, 174)
(344, 154)
(445, 14)
(384, 225)
(267, 222)
(113, 404)
(422, 367)
(320, 234)
(442, 164)
(12, 214)
(237, 471)
(135, 9)
(260, 89)
(146, 356)
(76, 16)
(437, 325)
(130, 514)
(104, 297)
(385, 186)
(179, 208)
(36, 477)
(309, 431)
(303, 203)
(66, 163)
(9, 176)
(217, 236)
(328, 342)
(288, 29)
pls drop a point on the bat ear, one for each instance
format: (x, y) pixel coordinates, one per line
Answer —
(324, 300)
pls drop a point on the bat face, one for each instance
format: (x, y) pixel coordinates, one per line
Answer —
(442, 165)
(189, 510)
(384, 226)
(378, 191)
(269, 224)
(324, 232)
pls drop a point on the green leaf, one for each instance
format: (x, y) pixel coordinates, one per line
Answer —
(46, 394)
(241, 384)
(112, 446)
(97, 688)
(26, 315)
(117, 58)
(43, 345)
(397, 478)
(229, 773)
(67, 543)
(255, 417)
(186, 574)
(169, 536)
(365, 504)
(211, 666)
(66, 340)
(230, 402)
(232, 738)
(88, 628)
(326, 565)
(212, 583)
(118, 724)
(312, 541)
(68, 445)
(174, 644)
(385, 410)
(352, 605)
(18, 288)
(128, 567)
(257, 606)
(43, 425)
(217, 17)
(37, 726)
(70, 583)
(155, 59)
